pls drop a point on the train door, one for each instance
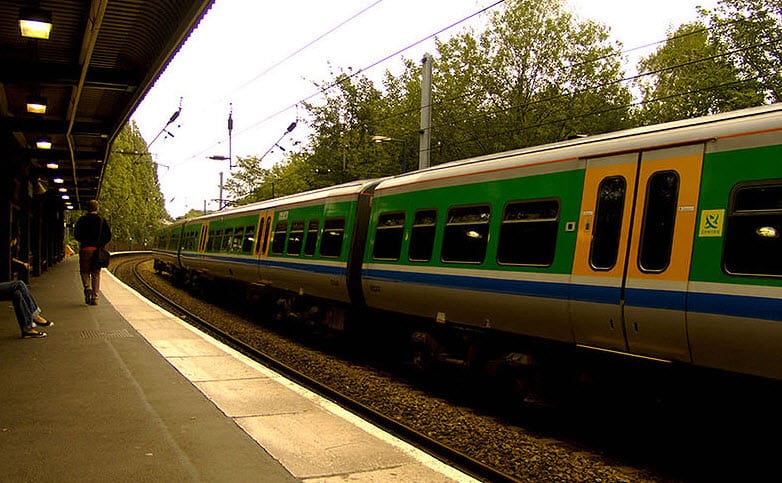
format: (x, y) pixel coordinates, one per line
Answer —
(202, 239)
(264, 232)
(601, 251)
(633, 252)
(660, 252)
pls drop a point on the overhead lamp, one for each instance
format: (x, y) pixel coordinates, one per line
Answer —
(52, 165)
(59, 180)
(36, 104)
(43, 143)
(66, 197)
(63, 190)
(35, 23)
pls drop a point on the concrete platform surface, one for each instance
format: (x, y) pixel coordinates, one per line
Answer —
(125, 391)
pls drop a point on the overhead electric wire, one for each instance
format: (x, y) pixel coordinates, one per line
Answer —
(607, 84)
(328, 87)
(406, 112)
(309, 44)
(359, 71)
(606, 111)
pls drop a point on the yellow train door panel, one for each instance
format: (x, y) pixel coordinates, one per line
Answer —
(203, 238)
(660, 252)
(601, 251)
(264, 233)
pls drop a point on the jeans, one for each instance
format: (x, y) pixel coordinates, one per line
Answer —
(24, 303)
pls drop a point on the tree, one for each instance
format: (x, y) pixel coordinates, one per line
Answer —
(130, 195)
(250, 183)
(751, 32)
(535, 75)
(689, 76)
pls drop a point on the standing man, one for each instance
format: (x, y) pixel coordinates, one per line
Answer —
(93, 232)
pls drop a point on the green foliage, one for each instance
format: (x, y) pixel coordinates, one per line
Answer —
(534, 74)
(130, 197)
(751, 32)
(689, 76)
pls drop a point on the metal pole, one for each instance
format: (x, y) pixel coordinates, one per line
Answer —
(230, 130)
(220, 201)
(426, 113)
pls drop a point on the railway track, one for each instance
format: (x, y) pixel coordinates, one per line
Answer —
(716, 435)
(438, 449)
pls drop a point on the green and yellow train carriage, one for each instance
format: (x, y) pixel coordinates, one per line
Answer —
(661, 242)
(299, 245)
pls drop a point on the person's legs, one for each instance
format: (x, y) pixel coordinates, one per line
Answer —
(86, 282)
(24, 315)
(95, 286)
(85, 270)
(28, 299)
(25, 309)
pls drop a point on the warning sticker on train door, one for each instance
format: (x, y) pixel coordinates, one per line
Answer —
(711, 223)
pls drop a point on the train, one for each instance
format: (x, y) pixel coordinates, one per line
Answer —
(662, 243)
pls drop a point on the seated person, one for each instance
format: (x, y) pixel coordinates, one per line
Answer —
(28, 314)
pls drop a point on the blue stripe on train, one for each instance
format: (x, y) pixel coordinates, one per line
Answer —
(734, 305)
(271, 262)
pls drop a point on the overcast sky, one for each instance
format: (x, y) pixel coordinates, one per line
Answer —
(255, 57)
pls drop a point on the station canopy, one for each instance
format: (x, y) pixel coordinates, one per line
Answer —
(90, 71)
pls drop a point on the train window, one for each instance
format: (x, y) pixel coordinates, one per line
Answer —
(331, 240)
(296, 237)
(227, 237)
(608, 223)
(210, 244)
(236, 239)
(466, 234)
(528, 234)
(753, 234)
(388, 236)
(266, 234)
(278, 242)
(422, 236)
(662, 195)
(249, 239)
(218, 239)
(312, 237)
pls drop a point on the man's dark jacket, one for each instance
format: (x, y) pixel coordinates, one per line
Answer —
(92, 230)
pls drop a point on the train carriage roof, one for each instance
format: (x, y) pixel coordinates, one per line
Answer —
(571, 154)
(335, 193)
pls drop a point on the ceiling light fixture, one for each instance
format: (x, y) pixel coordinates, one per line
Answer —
(35, 23)
(52, 165)
(43, 143)
(36, 104)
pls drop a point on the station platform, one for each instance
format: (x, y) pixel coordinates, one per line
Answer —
(124, 391)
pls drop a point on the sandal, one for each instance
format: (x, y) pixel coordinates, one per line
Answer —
(44, 323)
(33, 334)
